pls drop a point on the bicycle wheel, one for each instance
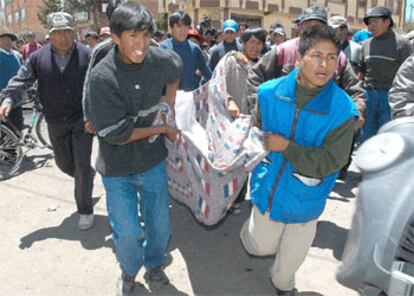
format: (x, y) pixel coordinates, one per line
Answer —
(11, 153)
(42, 132)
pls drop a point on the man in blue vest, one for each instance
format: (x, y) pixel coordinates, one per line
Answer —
(309, 124)
(60, 69)
(10, 62)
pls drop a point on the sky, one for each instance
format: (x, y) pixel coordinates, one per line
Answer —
(409, 13)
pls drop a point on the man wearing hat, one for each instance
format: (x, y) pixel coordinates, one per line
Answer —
(278, 35)
(382, 56)
(60, 69)
(351, 49)
(282, 59)
(10, 62)
(30, 46)
(104, 33)
(353, 52)
(230, 28)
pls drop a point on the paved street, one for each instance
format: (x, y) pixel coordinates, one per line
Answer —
(43, 253)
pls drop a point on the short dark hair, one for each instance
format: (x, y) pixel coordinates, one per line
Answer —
(179, 17)
(315, 34)
(246, 26)
(259, 33)
(131, 16)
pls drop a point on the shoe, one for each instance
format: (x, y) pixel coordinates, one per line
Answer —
(235, 209)
(293, 292)
(156, 279)
(125, 285)
(85, 221)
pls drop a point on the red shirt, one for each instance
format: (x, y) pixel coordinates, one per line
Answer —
(28, 48)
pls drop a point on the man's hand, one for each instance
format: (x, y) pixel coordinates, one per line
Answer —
(232, 108)
(360, 122)
(241, 58)
(171, 132)
(89, 127)
(275, 143)
(4, 111)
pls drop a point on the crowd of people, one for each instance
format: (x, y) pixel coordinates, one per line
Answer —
(315, 96)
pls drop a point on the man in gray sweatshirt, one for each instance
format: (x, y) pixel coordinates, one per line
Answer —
(125, 91)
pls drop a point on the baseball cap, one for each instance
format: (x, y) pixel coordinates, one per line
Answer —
(280, 31)
(337, 21)
(230, 25)
(196, 34)
(378, 11)
(59, 21)
(7, 33)
(314, 12)
(105, 31)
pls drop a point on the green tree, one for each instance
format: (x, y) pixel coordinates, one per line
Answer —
(47, 7)
(92, 7)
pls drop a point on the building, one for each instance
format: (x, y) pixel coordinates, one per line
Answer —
(20, 16)
(265, 12)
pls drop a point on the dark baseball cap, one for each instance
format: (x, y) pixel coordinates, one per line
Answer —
(314, 12)
(378, 11)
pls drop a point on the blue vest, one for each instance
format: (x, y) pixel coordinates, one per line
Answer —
(60, 93)
(275, 183)
(9, 65)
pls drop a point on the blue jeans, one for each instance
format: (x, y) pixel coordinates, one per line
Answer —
(378, 112)
(136, 245)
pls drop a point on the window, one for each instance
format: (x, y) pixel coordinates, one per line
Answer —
(23, 13)
(9, 20)
(17, 16)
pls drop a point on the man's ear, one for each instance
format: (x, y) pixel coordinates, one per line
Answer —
(115, 39)
(299, 59)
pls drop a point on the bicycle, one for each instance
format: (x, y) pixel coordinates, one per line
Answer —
(13, 141)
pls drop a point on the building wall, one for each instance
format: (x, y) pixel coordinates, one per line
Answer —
(21, 16)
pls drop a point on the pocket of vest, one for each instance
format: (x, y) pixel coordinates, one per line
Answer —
(311, 182)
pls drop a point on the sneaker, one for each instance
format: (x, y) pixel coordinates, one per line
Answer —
(293, 292)
(85, 221)
(156, 279)
(235, 209)
(125, 285)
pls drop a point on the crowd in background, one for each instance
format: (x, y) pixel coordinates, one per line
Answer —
(344, 74)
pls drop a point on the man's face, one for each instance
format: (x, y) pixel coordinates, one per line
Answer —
(242, 29)
(6, 43)
(133, 45)
(230, 36)
(180, 31)
(31, 39)
(318, 64)
(378, 26)
(342, 33)
(91, 41)
(208, 36)
(62, 40)
(278, 39)
(253, 48)
(307, 24)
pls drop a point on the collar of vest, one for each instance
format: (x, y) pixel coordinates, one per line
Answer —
(319, 104)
